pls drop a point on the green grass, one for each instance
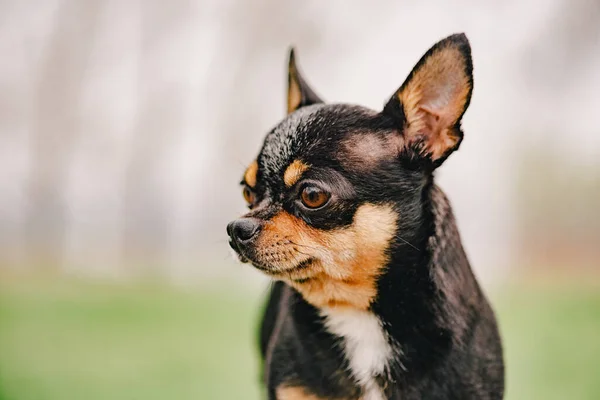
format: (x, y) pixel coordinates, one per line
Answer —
(74, 340)
(552, 342)
(65, 341)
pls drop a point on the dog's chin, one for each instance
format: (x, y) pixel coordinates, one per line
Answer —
(301, 271)
(239, 256)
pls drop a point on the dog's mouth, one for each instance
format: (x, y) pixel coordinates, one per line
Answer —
(287, 272)
(238, 252)
(278, 257)
(297, 271)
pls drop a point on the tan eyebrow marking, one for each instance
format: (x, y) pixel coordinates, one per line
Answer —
(250, 174)
(294, 172)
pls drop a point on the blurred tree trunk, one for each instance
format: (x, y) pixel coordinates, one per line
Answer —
(565, 45)
(250, 40)
(146, 222)
(55, 127)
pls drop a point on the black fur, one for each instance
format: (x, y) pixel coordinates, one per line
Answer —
(427, 299)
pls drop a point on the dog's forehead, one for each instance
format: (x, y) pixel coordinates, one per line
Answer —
(288, 140)
(311, 133)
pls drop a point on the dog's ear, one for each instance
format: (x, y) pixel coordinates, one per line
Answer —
(431, 102)
(299, 93)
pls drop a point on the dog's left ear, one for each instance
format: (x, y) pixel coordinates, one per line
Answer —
(299, 93)
(431, 102)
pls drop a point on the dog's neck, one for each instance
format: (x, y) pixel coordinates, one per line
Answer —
(420, 295)
(407, 328)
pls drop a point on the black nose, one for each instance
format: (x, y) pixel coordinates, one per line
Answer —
(243, 230)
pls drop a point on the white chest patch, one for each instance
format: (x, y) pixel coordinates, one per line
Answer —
(365, 345)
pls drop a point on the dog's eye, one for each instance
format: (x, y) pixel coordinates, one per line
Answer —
(313, 197)
(248, 195)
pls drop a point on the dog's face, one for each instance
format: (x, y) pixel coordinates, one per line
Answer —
(336, 187)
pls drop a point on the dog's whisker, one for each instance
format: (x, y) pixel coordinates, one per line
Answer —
(303, 253)
(407, 242)
(302, 245)
(399, 237)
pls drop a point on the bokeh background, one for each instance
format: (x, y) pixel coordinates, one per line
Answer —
(125, 127)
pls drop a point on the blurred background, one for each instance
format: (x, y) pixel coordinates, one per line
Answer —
(125, 127)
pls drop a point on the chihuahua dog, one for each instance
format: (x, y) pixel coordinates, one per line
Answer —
(373, 296)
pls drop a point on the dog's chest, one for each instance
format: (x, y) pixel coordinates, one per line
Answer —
(365, 344)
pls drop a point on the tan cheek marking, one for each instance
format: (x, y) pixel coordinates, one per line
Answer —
(294, 393)
(294, 172)
(360, 254)
(250, 175)
(350, 259)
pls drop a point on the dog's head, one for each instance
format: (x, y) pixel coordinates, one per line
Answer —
(335, 187)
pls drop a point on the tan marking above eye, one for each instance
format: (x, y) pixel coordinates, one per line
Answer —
(294, 172)
(250, 174)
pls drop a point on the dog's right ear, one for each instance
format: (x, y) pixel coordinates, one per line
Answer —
(299, 93)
